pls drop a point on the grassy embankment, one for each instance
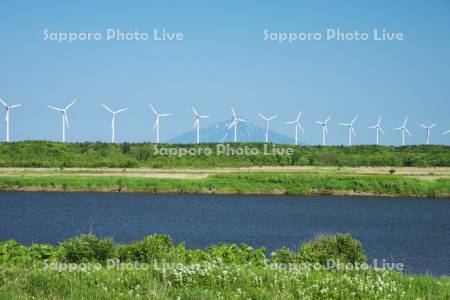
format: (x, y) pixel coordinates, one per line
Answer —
(157, 269)
(237, 183)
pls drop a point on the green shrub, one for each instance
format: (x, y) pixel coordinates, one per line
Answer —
(85, 248)
(339, 247)
(153, 247)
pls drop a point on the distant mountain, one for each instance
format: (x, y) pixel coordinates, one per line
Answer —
(219, 133)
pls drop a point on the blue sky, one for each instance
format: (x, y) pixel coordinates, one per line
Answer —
(222, 61)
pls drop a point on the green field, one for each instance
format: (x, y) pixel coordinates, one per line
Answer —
(97, 155)
(87, 267)
(236, 183)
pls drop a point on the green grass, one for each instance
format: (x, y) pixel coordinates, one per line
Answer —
(94, 155)
(216, 272)
(248, 183)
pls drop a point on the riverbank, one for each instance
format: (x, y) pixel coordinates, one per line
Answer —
(87, 267)
(311, 182)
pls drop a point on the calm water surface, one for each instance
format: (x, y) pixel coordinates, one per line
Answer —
(415, 232)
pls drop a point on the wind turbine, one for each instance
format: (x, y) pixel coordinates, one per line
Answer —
(428, 129)
(297, 125)
(65, 120)
(350, 129)
(8, 108)
(234, 123)
(197, 123)
(113, 140)
(403, 129)
(156, 126)
(324, 129)
(378, 128)
(267, 124)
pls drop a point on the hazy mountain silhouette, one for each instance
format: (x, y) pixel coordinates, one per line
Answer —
(219, 133)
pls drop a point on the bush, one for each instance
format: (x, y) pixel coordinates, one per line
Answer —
(153, 247)
(85, 248)
(339, 247)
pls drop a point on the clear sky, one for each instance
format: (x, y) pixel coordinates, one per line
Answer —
(224, 60)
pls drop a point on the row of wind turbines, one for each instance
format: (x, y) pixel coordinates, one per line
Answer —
(233, 124)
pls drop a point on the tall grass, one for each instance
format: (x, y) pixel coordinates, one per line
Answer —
(257, 183)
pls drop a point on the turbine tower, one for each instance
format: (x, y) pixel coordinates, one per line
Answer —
(378, 128)
(404, 129)
(65, 120)
(324, 129)
(8, 108)
(428, 129)
(156, 126)
(297, 125)
(350, 129)
(113, 138)
(267, 124)
(197, 123)
(234, 123)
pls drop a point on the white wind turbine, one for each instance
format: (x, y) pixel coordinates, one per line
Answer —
(378, 128)
(65, 120)
(8, 108)
(428, 129)
(403, 129)
(234, 123)
(297, 125)
(156, 126)
(197, 123)
(113, 138)
(267, 124)
(324, 129)
(350, 129)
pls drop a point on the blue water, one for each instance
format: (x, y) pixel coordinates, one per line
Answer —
(415, 232)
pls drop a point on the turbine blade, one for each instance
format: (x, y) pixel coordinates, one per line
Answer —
(107, 108)
(300, 126)
(202, 117)
(121, 110)
(66, 119)
(382, 131)
(374, 126)
(3, 102)
(354, 119)
(71, 103)
(55, 108)
(15, 105)
(232, 124)
(326, 129)
(406, 120)
(353, 131)
(318, 122)
(407, 131)
(243, 120)
(273, 117)
(262, 116)
(432, 125)
(299, 115)
(153, 109)
(343, 124)
(421, 125)
(195, 112)
(196, 122)
(328, 119)
(292, 122)
(446, 132)
(379, 120)
(232, 110)
(165, 115)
